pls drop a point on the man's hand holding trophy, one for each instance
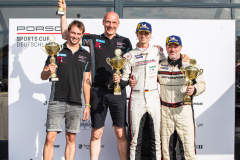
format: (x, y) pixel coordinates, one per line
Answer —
(60, 10)
(117, 62)
(52, 49)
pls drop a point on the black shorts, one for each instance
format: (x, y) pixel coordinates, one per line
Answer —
(102, 99)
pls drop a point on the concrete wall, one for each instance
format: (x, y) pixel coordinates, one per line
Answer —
(4, 116)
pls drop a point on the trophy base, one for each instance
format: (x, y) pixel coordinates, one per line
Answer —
(187, 103)
(117, 93)
(53, 79)
(60, 13)
(117, 89)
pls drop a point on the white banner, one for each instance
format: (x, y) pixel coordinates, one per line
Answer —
(210, 42)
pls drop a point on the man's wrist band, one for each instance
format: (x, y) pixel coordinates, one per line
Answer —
(88, 105)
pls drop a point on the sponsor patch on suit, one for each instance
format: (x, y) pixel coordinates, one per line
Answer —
(138, 56)
(164, 68)
(164, 65)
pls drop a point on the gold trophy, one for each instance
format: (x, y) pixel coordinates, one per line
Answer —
(52, 49)
(60, 11)
(191, 72)
(117, 63)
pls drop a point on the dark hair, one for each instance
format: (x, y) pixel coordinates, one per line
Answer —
(78, 24)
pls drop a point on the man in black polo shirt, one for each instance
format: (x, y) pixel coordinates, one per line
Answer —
(102, 98)
(73, 70)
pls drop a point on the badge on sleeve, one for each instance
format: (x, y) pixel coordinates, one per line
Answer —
(127, 56)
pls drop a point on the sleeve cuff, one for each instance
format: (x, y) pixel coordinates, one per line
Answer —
(195, 91)
(123, 83)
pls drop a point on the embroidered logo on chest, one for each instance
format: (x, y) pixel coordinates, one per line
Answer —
(100, 41)
(121, 45)
(82, 59)
(145, 62)
(98, 45)
(138, 56)
(60, 59)
(164, 68)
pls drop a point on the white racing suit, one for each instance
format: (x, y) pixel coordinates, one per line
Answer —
(177, 119)
(144, 103)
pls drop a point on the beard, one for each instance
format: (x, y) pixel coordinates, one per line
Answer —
(174, 57)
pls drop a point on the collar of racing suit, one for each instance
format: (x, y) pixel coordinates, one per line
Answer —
(142, 49)
(176, 62)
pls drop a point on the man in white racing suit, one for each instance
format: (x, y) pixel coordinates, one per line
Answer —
(178, 121)
(144, 99)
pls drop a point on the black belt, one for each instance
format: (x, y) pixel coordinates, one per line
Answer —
(109, 87)
(173, 105)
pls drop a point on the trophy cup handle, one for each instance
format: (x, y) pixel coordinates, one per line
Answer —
(108, 60)
(200, 71)
(182, 69)
(43, 48)
(60, 48)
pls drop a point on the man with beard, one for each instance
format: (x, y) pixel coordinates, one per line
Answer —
(73, 70)
(102, 97)
(178, 122)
